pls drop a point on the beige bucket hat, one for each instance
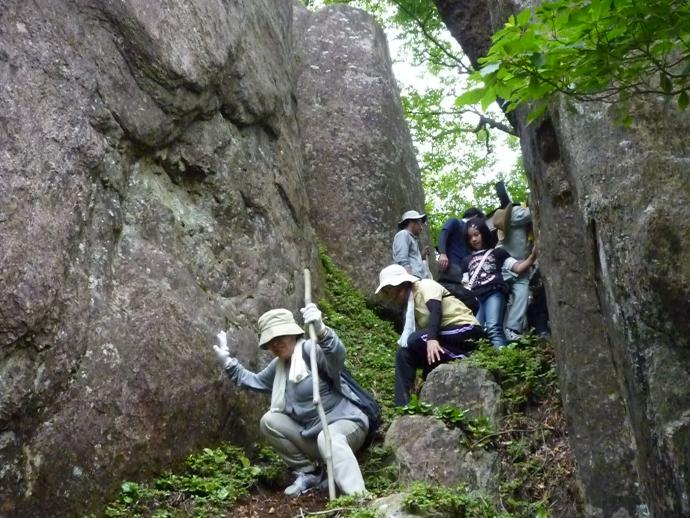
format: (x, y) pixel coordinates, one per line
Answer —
(501, 220)
(410, 214)
(394, 275)
(277, 322)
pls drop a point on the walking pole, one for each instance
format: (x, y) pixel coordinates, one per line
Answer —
(317, 392)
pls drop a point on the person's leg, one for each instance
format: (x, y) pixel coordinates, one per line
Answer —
(459, 340)
(515, 320)
(481, 314)
(407, 360)
(494, 307)
(283, 434)
(346, 438)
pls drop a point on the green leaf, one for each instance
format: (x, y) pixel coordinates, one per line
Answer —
(523, 17)
(665, 81)
(489, 69)
(683, 100)
(537, 112)
(470, 97)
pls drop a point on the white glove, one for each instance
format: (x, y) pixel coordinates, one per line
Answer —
(312, 315)
(222, 351)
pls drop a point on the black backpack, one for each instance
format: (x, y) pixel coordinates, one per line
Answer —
(465, 296)
(362, 398)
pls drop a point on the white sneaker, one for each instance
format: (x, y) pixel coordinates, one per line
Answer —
(512, 336)
(303, 483)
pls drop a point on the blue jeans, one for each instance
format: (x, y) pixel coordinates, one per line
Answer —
(491, 309)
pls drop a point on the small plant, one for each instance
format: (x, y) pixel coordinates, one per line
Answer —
(475, 429)
(427, 499)
(525, 371)
(214, 479)
(352, 507)
(379, 469)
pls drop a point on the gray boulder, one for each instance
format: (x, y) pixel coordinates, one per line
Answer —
(151, 193)
(429, 451)
(612, 210)
(466, 387)
(359, 162)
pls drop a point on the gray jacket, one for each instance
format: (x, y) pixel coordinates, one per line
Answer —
(515, 241)
(406, 253)
(299, 401)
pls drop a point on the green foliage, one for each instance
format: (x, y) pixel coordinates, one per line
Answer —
(213, 480)
(379, 470)
(475, 429)
(351, 507)
(433, 499)
(607, 50)
(525, 370)
(370, 341)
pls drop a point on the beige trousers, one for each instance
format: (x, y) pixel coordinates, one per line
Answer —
(283, 434)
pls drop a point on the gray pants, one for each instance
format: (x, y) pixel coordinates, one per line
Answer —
(283, 433)
(517, 311)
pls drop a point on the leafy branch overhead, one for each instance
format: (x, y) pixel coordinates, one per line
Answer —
(596, 50)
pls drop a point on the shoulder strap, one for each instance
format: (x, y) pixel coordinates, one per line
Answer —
(479, 268)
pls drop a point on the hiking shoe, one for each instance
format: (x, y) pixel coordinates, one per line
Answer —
(303, 483)
(512, 335)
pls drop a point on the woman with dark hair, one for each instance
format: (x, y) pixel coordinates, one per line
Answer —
(483, 267)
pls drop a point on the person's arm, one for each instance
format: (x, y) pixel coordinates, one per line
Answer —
(401, 249)
(433, 305)
(261, 381)
(523, 266)
(330, 355)
(449, 228)
(434, 327)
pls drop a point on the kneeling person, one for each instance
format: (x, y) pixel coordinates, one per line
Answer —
(438, 327)
(292, 425)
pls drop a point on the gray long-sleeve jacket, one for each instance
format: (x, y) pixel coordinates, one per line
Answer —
(406, 253)
(299, 402)
(516, 242)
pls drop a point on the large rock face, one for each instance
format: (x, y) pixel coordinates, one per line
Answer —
(151, 193)
(359, 164)
(614, 230)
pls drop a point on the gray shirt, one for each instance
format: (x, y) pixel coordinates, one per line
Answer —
(299, 401)
(406, 253)
(515, 242)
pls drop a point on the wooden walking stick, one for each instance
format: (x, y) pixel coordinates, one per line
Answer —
(317, 392)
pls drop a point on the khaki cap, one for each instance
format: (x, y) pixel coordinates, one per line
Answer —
(277, 322)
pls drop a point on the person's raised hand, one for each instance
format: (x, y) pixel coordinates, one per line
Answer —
(220, 347)
(312, 315)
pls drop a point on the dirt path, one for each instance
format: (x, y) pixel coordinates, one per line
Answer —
(273, 503)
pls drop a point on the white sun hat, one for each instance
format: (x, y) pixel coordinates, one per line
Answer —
(409, 215)
(277, 322)
(394, 275)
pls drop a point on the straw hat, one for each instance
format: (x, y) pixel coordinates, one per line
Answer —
(501, 220)
(409, 215)
(394, 275)
(277, 322)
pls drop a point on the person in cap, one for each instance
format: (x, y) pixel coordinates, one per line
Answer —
(406, 250)
(513, 223)
(484, 268)
(292, 425)
(438, 327)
